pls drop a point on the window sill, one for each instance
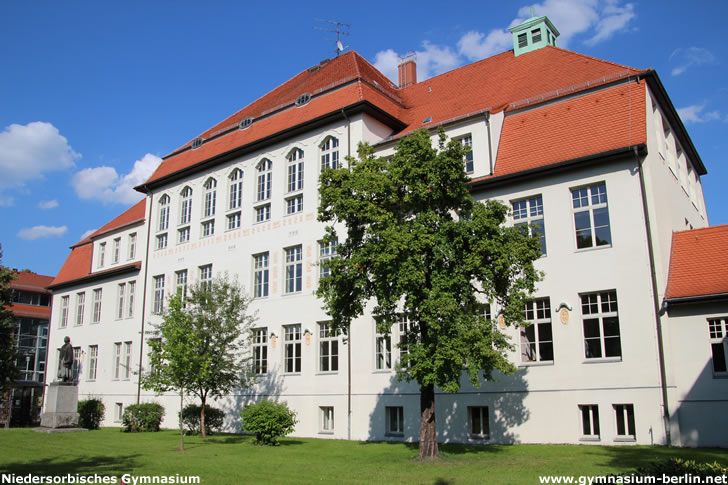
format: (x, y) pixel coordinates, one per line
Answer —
(330, 433)
(261, 222)
(327, 373)
(382, 371)
(625, 439)
(293, 293)
(291, 374)
(602, 360)
(590, 438)
(479, 437)
(293, 213)
(231, 229)
(394, 435)
(593, 248)
(536, 363)
(720, 375)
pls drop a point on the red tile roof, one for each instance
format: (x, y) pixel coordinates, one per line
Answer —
(32, 311)
(573, 128)
(698, 263)
(135, 213)
(31, 282)
(493, 84)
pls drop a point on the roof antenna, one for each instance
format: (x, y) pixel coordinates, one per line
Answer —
(338, 31)
(533, 12)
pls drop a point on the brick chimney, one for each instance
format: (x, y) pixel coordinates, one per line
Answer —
(407, 73)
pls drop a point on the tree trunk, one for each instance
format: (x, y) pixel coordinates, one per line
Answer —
(181, 425)
(202, 418)
(428, 428)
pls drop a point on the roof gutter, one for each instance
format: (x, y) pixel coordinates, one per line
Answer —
(695, 299)
(593, 159)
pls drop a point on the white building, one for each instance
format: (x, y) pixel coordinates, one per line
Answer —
(592, 152)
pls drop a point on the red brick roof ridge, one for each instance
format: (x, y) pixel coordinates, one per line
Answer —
(709, 263)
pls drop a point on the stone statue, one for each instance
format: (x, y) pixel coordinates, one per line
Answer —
(65, 373)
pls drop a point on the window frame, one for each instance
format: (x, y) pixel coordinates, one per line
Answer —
(718, 340)
(625, 422)
(327, 250)
(590, 208)
(120, 299)
(185, 210)
(292, 348)
(293, 270)
(235, 189)
(295, 170)
(80, 307)
(590, 425)
(205, 273)
(132, 245)
(330, 341)
(382, 354)
(96, 305)
(538, 313)
(163, 204)
(600, 316)
(483, 415)
(394, 420)
(531, 216)
(261, 275)
(93, 362)
(209, 198)
(63, 316)
(329, 152)
(469, 164)
(326, 419)
(116, 251)
(260, 350)
(158, 294)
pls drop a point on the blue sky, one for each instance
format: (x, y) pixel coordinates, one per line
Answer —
(93, 93)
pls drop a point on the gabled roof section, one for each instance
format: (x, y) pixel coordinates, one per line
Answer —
(132, 215)
(505, 82)
(698, 263)
(31, 282)
(598, 122)
(77, 264)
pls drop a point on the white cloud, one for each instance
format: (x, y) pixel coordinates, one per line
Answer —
(6, 201)
(688, 57)
(29, 151)
(48, 204)
(105, 184)
(695, 114)
(431, 61)
(88, 233)
(37, 232)
(600, 18)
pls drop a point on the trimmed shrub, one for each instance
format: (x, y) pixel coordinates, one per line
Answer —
(142, 417)
(676, 467)
(191, 419)
(90, 413)
(268, 420)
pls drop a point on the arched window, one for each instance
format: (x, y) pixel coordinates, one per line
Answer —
(163, 212)
(265, 170)
(236, 189)
(186, 206)
(295, 170)
(209, 198)
(330, 153)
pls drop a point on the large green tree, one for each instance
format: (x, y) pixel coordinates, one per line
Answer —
(417, 245)
(8, 329)
(199, 346)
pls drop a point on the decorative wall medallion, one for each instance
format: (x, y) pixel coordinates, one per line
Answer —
(502, 321)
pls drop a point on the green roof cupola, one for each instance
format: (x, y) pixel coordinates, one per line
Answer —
(533, 34)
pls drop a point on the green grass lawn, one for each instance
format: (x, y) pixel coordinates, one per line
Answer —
(234, 459)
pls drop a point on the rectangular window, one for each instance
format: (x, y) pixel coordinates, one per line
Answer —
(93, 361)
(64, 312)
(262, 213)
(601, 325)
(260, 350)
(479, 421)
(326, 251)
(295, 176)
(294, 205)
(536, 339)
(294, 269)
(132, 245)
(130, 300)
(102, 253)
(591, 216)
(404, 330)
(233, 221)
(383, 351)
(117, 360)
(535, 36)
(206, 277)
(467, 142)
(292, 342)
(118, 412)
(589, 421)
(181, 277)
(183, 235)
(208, 228)
(260, 275)
(394, 420)
(127, 360)
(624, 414)
(327, 419)
(120, 291)
(528, 214)
(158, 306)
(522, 40)
(80, 302)
(328, 349)
(718, 329)
(116, 251)
(330, 153)
(162, 241)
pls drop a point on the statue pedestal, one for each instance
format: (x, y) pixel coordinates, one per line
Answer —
(61, 406)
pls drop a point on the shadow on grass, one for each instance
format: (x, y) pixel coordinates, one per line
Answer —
(628, 458)
(445, 448)
(88, 465)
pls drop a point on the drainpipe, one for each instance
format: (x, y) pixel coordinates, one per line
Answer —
(348, 330)
(486, 115)
(144, 295)
(656, 303)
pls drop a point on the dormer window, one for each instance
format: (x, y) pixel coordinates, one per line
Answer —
(303, 99)
(197, 143)
(535, 36)
(245, 123)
